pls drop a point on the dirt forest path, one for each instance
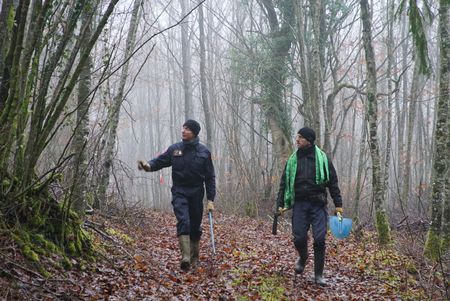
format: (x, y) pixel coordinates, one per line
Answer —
(140, 261)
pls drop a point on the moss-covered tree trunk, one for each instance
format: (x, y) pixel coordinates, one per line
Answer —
(6, 23)
(438, 238)
(39, 76)
(381, 220)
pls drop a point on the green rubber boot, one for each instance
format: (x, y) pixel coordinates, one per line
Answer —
(195, 252)
(185, 248)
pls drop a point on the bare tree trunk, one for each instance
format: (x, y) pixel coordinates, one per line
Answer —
(114, 111)
(401, 111)
(203, 82)
(416, 88)
(158, 141)
(382, 224)
(359, 175)
(389, 76)
(170, 83)
(173, 96)
(186, 62)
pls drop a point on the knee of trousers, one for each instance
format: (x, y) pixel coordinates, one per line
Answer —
(195, 235)
(183, 227)
(300, 242)
(319, 245)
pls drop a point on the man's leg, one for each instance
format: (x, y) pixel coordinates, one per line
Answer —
(300, 227)
(319, 226)
(181, 210)
(196, 215)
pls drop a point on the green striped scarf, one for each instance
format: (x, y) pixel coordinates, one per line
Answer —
(322, 174)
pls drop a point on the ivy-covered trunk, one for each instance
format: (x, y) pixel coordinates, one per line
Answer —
(274, 77)
(381, 220)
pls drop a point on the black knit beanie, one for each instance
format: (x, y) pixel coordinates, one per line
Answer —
(308, 134)
(193, 125)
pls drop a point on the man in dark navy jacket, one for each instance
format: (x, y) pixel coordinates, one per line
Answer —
(192, 170)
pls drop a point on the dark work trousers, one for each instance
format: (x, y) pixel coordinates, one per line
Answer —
(187, 205)
(306, 214)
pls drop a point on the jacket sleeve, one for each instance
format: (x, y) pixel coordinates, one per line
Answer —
(333, 187)
(162, 161)
(280, 197)
(210, 179)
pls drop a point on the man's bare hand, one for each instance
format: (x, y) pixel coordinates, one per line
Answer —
(142, 165)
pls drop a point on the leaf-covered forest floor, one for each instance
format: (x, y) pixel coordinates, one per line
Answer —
(138, 259)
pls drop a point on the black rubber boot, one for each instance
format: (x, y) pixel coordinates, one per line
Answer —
(319, 262)
(301, 261)
(185, 248)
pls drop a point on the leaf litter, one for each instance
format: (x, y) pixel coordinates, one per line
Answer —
(250, 264)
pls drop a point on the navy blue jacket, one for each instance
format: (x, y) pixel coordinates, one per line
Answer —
(191, 166)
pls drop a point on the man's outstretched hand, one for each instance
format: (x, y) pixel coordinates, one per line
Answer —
(142, 165)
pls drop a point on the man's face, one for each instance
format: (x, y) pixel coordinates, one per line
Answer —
(301, 141)
(186, 134)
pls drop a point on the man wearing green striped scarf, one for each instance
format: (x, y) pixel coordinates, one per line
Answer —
(307, 174)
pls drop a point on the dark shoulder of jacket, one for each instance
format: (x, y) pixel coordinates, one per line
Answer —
(329, 160)
(178, 145)
(201, 148)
